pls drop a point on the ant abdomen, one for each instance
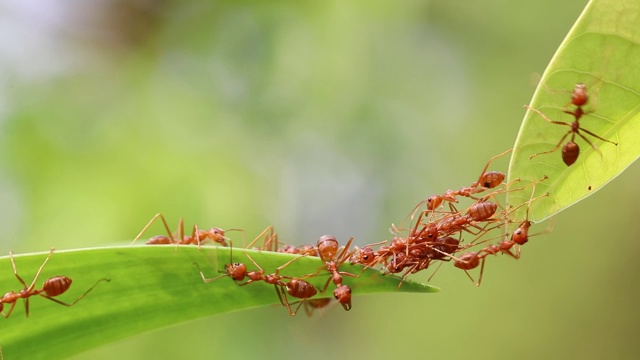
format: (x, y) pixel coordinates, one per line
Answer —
(570, 153)
(56, 285)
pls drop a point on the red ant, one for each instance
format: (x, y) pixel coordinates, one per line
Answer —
(331, 254)
(296, 287)
(486, 180)
(197, 236)
(520, 236)
(481, 211)
(478, 212)
(571, 150)
(53, 286)
(366, 256)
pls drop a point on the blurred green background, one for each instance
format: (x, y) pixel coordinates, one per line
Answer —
(324, 117)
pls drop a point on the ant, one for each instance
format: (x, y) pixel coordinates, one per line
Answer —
(478, 212)
(571, 150)
(331, 254)
(519, 237)
(53, 286)
(486, 180)
(197, 236)
(296, 287)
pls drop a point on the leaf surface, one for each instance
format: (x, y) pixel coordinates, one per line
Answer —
(602, 51)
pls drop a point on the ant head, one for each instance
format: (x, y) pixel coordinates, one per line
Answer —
(236, 271)
(520, 235)
(579, 95)
(433, 202)
(342, 293)
(215, 234)
(570, 152)
(328, 247)
(428, 233)
(364, 256)
(397, 264)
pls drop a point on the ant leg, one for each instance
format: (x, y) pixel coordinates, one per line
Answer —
(469, 275)
(344, 254)
(13, 305)
(489, 163)
(282, 295)
(298, 307)
(264, 232)
(244, 237)
(33, 283)
(255, 263)
(481, 271)
(271, 244)
(326, 285)
(435, 271)
(153, 219)
(205, 279)
(545, 117)
(289, 262)
(79, 298)
(195, 236)
(596, 136)
(552, 150)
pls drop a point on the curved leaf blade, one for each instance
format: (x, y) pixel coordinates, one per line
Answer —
(151, 287)
(603, 51)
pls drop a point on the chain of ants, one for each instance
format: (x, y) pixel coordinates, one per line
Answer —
(436, 236)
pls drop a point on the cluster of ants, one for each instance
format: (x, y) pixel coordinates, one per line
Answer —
(436, 236)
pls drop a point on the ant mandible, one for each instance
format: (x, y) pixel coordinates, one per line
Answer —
(53, 286)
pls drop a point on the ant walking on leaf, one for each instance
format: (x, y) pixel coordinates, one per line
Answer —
(197, 237)
(51, 287)
(571, 150)
(296, 287)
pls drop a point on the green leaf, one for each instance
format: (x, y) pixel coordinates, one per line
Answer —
(151, 287)
(602, 51)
